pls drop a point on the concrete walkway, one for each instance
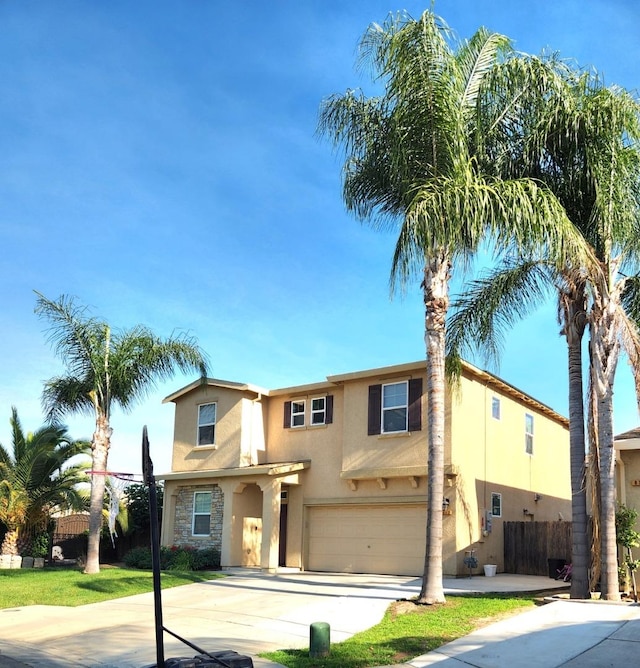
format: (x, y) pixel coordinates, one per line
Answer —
(251, 612)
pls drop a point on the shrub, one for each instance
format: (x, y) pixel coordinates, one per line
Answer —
(139, 557)
(40, 545)
(175, 558)
(206, 560)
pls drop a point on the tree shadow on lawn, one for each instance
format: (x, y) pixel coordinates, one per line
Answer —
(118, 585)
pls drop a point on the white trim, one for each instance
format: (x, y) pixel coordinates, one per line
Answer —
(528, 434)
(207, 424)
(395, 407)
(200, 514)
(302, 413)
(316, 411)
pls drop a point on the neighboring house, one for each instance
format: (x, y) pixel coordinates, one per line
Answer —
(332, 476)
(627, 447)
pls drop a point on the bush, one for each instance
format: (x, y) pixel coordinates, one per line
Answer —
(175, 558)
(139, 557)
(40, 545)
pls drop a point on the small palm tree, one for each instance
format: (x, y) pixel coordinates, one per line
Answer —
(37, 477)
(411, 161)
(106, 368)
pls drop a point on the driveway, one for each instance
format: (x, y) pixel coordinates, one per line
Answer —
(249, 612)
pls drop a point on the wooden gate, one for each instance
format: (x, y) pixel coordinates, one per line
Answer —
(528, 546)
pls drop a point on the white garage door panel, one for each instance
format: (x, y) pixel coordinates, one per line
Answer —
(367, 539)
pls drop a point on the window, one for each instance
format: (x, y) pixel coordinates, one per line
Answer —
(318, 410)
(297, 413)
(321, 411)
(201, 513)
(394, 407)
(496, 504)
(207, 424)
(495, 408)
(388, 408)
(528, 433)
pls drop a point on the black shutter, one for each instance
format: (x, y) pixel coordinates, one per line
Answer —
(287, 414)
(375, 406)
(328, 409)
(415, 404)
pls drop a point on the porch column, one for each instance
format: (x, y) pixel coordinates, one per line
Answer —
(169, 515)
(226, 549)
(271, 490)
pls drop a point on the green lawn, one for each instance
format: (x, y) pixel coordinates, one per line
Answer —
(69, 586)
(408, 630)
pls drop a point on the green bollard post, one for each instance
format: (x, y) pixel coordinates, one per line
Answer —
(319, 640)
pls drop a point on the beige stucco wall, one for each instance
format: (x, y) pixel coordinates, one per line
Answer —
(490, 457)
(239, 438)
(628, 469)
(346, 466)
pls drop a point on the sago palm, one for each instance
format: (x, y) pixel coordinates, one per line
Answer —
(41, 473)
(106, 368)
(411, 164)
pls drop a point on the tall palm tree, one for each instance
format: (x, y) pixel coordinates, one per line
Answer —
(105, 368)
(410, 161)
(37, 476)
(581, 140)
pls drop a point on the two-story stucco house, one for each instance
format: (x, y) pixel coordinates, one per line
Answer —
(332, 476)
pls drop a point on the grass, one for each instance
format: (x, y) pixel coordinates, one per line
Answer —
(408, 630)
(71, 587)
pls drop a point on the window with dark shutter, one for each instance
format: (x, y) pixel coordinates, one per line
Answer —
(415, 404)
(375, 406)
(329, 407)
(287, 414)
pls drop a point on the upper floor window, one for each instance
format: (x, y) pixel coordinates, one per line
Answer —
(528, 433)
(318, 410)
(394, 407)
(297, 413)
(321, 412)
(201, 513)
(207, 424)
(495, 408)
(496, 504)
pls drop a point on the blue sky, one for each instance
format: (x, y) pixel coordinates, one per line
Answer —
(160, 162)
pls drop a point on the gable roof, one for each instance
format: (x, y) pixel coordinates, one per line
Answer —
(215, 382)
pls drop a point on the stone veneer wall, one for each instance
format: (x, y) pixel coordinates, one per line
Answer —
(182, 532)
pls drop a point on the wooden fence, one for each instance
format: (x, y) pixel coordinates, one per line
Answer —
(528, 546)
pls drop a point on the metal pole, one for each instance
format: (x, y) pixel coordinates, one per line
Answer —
(147, 471)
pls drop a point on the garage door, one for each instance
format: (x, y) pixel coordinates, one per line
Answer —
(367, 539)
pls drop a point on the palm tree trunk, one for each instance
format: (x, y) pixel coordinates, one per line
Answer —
(99, 456)
(609, 584)
(10, 541)
(580, 552)
(436, 300)
(605, 350)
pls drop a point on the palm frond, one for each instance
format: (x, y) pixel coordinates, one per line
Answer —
(493, 303)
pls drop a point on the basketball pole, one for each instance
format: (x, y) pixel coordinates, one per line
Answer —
(147, 472)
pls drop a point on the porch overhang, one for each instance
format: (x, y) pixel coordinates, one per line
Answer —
(275, 469)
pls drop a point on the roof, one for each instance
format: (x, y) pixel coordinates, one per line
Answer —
(628, 440)
(215, 382)
(486, 377)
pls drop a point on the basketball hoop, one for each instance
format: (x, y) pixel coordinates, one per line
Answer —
(116, 484)
(116, 474)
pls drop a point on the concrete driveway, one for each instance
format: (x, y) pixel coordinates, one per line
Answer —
(249, 612)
